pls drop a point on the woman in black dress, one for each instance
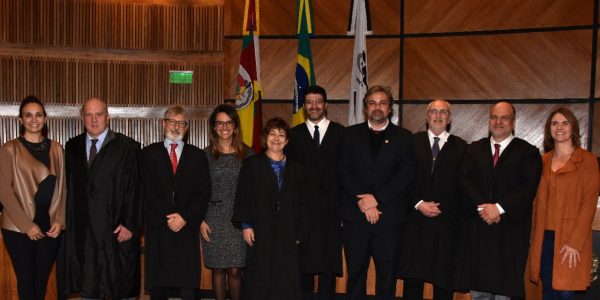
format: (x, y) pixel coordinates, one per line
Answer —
(268, 206)
(32, 191)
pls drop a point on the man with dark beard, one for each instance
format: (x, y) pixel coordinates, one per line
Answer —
(101, 251)
(376, 167)
(176, 192)
(316, 145)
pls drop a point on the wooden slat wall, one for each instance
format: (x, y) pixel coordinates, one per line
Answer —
(71, 81)
(113, 24)
(65, 51)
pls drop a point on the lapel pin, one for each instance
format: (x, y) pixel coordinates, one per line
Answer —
(386, 141)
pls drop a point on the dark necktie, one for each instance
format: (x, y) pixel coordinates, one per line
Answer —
(496, 153)
(173, 156)
(435, 150)
(317, 136)
(93, 151)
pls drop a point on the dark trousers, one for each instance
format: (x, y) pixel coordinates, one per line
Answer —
(162, 293)
(363, 241)
(32, 262)
(326, 286)
(548, 293)
(413, 290)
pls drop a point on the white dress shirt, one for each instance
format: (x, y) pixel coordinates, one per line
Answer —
(323, 125)
(503, 146)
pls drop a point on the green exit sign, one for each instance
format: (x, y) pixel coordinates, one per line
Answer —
(181, 77)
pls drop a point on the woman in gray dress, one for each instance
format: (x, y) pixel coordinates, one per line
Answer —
(223, 245)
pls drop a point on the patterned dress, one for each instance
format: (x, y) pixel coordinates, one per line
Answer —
(227, 248)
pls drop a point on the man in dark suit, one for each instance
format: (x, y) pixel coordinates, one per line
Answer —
(176, 193)
(101, 251)
(376, 166)
(499, 182)
(432, 233)
(316, 145)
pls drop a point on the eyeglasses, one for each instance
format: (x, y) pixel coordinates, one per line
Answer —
(441, 112)
(220, 124)
(174, 122)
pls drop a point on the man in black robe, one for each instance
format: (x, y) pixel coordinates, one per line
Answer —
(499, 180)
(101, 251)
(176, 193)
(376, 167)
(316, 145)
(432, 233)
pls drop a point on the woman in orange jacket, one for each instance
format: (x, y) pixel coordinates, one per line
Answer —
(561, 242)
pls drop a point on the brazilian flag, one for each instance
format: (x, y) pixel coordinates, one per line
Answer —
(305, 74)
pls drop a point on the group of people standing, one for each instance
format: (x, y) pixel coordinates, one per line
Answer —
(428, 207)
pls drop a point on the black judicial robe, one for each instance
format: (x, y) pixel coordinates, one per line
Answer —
(272, 263)
(99, 198)
(322, 249)
(386, 176)
(430, 244)
(492, 258)
(172, 259)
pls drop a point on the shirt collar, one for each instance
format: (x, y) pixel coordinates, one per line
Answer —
(323, 123)
(504, 143)
(100, 137)
(168, 143)
(387, 122)
(443, 136)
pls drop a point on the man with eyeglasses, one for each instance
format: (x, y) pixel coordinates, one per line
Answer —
(499, 180)
(100, 258)
(316, 145)
(177, 189)
(433, 229)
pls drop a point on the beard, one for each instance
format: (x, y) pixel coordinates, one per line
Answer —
(174, 136)
(377, 116)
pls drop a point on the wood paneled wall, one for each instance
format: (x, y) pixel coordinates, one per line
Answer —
(65, 51)
(133, 83)
(113, 24)
(538, 54)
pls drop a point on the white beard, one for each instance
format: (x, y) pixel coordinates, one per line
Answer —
(175, 138)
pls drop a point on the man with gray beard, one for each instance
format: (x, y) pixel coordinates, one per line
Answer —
(176, 189)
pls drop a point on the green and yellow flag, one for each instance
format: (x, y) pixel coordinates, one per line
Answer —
(305, 74)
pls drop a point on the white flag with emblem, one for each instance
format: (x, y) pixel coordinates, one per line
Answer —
(359, 27)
